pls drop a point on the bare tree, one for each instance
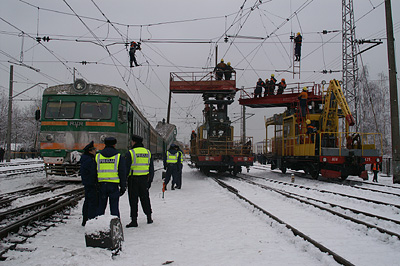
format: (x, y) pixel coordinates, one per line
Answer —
(375, 107)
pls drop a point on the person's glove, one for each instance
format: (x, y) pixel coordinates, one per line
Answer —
(122, 191)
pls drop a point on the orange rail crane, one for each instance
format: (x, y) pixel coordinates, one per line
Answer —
(326, 151)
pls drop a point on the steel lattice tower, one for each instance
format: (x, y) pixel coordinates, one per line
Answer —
(349, 58)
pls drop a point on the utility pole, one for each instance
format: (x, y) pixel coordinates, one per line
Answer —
(243, 124)
(394, 106)
(10, 113)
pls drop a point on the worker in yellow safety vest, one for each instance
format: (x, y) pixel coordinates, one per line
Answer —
(172, 162)
(111, 176)
(141, 172)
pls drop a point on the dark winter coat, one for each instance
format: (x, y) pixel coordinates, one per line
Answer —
(88, 170)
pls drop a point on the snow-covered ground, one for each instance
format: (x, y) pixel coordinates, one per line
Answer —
(201, 224)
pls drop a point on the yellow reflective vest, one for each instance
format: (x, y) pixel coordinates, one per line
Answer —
(181, 153)
(107, 168)
(172, 158)
(140, 161)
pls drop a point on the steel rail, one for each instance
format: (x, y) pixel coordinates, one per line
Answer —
(295, 231)
(346, 217)
(77, 194)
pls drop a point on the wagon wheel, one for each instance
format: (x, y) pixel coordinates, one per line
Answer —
(283, 170)
(314, 171)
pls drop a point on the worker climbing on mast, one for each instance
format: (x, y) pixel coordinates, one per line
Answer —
(297, 48)
(132, 50)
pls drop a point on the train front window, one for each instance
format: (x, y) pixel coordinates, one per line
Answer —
(60, 110)
(95, 110)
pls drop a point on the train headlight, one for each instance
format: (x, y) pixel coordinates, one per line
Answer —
(324, 160)
(50, 137)
(221, 120)
(245, 159)
(207, 158)
(378, 160)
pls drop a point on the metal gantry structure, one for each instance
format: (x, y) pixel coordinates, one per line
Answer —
(349, 57)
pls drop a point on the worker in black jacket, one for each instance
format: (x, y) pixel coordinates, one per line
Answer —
(89, 180)
(140, 167)
(111, 175)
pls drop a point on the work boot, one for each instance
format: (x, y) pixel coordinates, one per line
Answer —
(84, 220)
(149, 220)
(172, 187)
(133, 223)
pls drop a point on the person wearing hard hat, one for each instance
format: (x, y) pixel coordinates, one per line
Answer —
(281, 86)
(219, 70)
(297, 46)
(266, 86)
(257, 92)
(228, 71)
(311, 130)
(132, 50)
(272, 84)
(303, 101)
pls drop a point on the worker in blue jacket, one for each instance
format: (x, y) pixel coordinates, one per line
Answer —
(89, 180)
(111, 175)
(172, 162)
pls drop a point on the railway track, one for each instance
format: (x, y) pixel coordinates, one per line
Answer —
(362, 185)
(329, 207)
(309, 210)
(9, 164)
(19, 171)
(18, 224)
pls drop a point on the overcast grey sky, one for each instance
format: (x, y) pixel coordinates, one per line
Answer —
(180, 36)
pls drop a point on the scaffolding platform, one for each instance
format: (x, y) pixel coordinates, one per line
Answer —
(288, 98)
(200, 82)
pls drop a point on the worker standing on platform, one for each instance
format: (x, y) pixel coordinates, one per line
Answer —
(297, 46)
(272, 84)
(281, 86)
(220, 70)
(228, 71)
(266, 86)
(132, 50)
(303, 101)
(257, 92)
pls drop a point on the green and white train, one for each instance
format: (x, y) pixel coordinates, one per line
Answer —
(75, 114)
